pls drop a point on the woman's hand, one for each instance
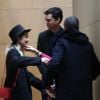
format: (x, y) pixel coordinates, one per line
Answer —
(50, 94)
(45, 60)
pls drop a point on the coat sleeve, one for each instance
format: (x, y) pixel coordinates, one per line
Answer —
(54, 65)
(22, 61)
(35, 82)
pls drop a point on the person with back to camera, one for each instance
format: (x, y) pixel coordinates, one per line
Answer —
(74, 63)
(74, 59)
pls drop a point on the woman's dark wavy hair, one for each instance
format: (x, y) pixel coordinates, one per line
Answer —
(16, 39)
(71, 23)
(56, 13)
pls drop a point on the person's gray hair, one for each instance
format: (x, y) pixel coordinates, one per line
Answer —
(71, 22)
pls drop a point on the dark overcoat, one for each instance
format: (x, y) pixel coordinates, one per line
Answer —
(14, 61)
(74, 66)
(47, 39)
(46, 42)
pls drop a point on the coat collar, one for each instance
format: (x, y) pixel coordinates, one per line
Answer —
(76, 37)
(18, 48)
(58, 35)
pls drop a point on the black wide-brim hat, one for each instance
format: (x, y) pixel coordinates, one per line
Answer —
(16, 31)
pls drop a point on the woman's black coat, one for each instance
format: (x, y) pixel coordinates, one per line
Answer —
(22, 90)
(74, 66)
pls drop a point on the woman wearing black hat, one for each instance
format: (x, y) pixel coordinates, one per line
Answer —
(17, 76)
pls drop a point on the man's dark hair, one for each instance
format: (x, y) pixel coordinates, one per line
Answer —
(56, 13)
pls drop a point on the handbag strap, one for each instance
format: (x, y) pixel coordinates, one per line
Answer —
(14, 83)
(17, 74)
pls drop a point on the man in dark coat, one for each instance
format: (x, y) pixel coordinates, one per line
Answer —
(74, 64)
(48, 38)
